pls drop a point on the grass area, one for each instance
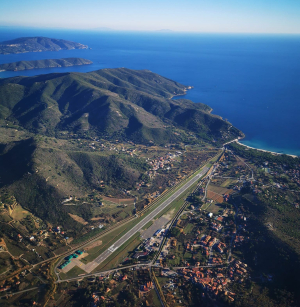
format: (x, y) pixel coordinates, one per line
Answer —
(108, 240)
(178, 202)
(187, 255)
(228, 182)
(74, 272)
(205, 206)
(162, 280)
(19, 213)
(147, 225)
(87, 236)
(112, 209)
(155, 300)
(114, 260)
(5, 218)
(13, 249)
(214, 208)
(188, 228)
(218, 189)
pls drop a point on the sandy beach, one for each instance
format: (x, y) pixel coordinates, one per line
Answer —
(272, 152)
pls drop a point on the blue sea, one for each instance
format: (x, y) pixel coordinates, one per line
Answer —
(251, 80)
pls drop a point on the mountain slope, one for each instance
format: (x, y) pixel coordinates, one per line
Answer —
(132, 104)
(40, 175)
(70, 124)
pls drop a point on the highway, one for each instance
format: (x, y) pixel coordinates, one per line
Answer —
(147, 219)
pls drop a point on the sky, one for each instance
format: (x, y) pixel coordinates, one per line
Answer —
(218, 16)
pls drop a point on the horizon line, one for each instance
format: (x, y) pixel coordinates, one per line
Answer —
(159, 31)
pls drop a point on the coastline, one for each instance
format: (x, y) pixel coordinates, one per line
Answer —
(185, 91)
(263, 150)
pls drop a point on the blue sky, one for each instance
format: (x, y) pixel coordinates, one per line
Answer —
(237, 16)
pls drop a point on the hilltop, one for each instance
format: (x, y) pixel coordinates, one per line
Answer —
(24, 65)
(37, 44)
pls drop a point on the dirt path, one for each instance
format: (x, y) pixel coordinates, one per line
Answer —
(78, 219)
(118, 201)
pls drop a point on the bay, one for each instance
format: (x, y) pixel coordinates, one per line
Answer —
(251, 80)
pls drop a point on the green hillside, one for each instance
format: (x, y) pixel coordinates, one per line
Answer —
(25, 65)
(131, 104)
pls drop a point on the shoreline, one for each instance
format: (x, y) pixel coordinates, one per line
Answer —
(185, 92)
(264, 150)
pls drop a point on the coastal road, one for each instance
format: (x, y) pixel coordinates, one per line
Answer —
(147, 219)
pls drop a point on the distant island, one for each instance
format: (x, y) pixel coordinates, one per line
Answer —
(37, 44)
(24, 65)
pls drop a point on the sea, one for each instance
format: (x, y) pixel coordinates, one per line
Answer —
(251, 80)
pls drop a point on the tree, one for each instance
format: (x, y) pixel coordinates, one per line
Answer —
(127, 297)
(175, 232)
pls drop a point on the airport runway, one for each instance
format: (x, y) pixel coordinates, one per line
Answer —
(141, 224)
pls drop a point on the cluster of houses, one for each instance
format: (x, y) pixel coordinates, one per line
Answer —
(295, 175)
(216, 226)
(35, 239)
(208, 241)
(214, 282)
(164, 161)
(220, 247)
(216, 260)
(237, 270)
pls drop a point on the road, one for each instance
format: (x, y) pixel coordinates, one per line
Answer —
(19, 292)
(147, 219)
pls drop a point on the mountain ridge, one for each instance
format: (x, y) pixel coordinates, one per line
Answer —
(134, 104)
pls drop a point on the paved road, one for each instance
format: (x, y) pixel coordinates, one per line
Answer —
(147, 219)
